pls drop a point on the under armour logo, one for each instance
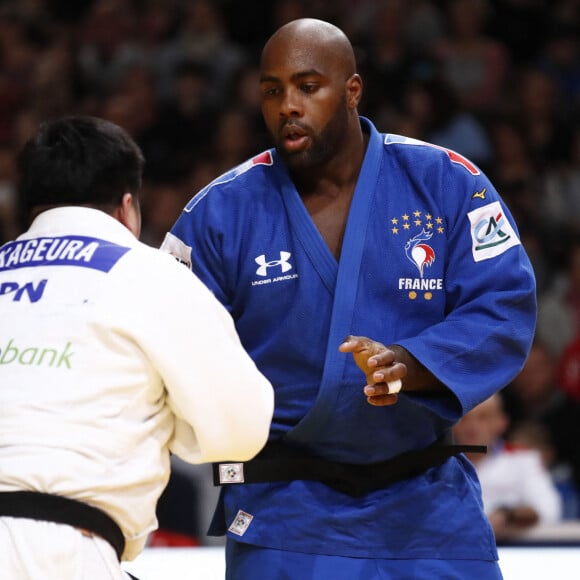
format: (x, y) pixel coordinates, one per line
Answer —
(264, 265)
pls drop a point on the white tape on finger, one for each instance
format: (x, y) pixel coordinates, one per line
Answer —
(395, 386)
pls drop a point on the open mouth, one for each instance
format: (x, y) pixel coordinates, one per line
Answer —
(294, 138)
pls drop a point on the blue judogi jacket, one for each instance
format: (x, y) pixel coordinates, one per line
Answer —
(431, 260)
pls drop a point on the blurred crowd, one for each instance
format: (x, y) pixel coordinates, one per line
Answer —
(496, 80)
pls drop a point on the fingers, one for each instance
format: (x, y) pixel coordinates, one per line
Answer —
(382, 395)
(398, 370)
(361, 344)
(377, 362)
(374, 359)
(367, 353)
(381, 389)
(382, 400)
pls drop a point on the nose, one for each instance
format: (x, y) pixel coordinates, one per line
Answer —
(291, 104)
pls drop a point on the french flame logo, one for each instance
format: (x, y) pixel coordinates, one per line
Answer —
(418, 252)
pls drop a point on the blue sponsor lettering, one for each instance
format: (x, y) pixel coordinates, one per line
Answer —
(33, 292)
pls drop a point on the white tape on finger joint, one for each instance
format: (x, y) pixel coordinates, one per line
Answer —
(395, 386)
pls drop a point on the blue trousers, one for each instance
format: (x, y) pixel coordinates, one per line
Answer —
(247, 562)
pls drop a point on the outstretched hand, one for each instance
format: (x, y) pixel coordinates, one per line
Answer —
(382, 372)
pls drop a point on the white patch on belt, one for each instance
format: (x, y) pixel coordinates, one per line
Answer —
(231, 472)
(241, 523)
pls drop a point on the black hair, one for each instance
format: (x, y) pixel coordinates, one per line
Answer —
(78, 160)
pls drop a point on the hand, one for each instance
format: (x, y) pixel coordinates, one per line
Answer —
(508, 523)
(379, 366)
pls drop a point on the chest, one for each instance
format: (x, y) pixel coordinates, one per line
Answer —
(329, 215)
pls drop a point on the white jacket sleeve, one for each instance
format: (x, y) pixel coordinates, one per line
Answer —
(222, 403)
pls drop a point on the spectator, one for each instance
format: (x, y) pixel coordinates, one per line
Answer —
(560, 203)
(424, 27)
(520, 25)
(386, 63)
(534, 435)
(17, 64)
(474, 64)
(233, 140)
(178, 133)
(517, 488)
(560, 59)
(202, 37)
(569, 369)
(450, 125)
(8, 196)
(559, 307)
(107, 44)
(534, 395)
(548, 128)
(515, 172)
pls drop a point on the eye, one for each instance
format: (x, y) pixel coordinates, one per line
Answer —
(308, 88)
(271, 91)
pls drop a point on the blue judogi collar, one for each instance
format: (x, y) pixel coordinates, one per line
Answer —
(341, 279)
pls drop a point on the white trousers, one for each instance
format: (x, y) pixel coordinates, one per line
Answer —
(33, 550)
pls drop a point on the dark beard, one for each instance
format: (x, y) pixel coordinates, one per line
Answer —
(324, 146)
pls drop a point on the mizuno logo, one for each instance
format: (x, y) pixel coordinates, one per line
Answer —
(264, 264)
(480, 194)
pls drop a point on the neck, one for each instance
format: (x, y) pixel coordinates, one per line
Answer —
(339, 174)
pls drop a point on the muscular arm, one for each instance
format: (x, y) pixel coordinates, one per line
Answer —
(382, 365)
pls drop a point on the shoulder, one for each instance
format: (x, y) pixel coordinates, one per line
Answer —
(450, 179)
(237, 180)
(422, 154)
(159, 272)
(149, 264)
(159, 261)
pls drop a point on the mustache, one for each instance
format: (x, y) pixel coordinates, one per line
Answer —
(293, 125)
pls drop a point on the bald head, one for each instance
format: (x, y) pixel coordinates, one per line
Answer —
(312, 41)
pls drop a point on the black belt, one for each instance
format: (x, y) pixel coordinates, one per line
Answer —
(62, 510)
(279, 462)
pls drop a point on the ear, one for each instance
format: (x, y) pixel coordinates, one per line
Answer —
(353, 91)
(128, 213)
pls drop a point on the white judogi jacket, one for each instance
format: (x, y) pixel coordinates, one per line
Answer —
(112, 354)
